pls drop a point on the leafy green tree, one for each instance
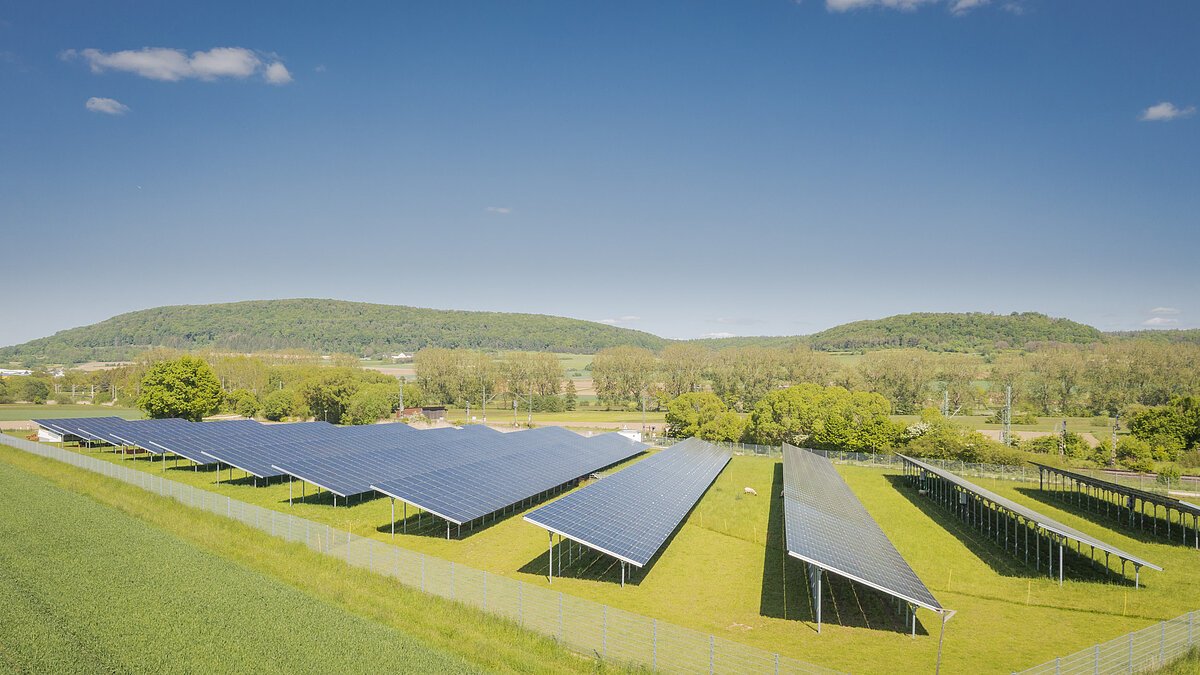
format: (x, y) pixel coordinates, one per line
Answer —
(742, 376)
(328, 394)
(688, 413)
(823, 417)
(902, 376)
(280, 404)
(371, 404)
(243, 402)
(1075, 446)
(5, 396)
(1135, 454)
(1168, 429)
(683, 367)
(185, 387)
(623, 374)
(727, 426)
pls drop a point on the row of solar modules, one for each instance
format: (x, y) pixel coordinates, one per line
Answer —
(631, 514)
(459, 474)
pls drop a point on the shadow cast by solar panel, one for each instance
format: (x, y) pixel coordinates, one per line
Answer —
(785, 589)
(1143, 533)
(1077, 566)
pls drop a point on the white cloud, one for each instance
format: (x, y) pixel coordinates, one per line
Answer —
(502, 210)
(964, 6)
(1159, 322)
(1165, 112)
(621, 319)
(172, 65)
(957, 7)
(277, 73)
(717, 335)
(108, 106)
(1169, 311)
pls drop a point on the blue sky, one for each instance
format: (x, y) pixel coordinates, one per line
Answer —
(686, 168)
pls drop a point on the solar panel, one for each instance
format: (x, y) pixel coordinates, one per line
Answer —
(1151, 497)
(826, 525)
(516, 467)
(631, 514)
(1028, 514)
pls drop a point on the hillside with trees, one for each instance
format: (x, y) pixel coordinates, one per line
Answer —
(323, 326)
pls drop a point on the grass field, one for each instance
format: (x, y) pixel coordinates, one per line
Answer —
(18, 411)
(725, 572)
(102, 576)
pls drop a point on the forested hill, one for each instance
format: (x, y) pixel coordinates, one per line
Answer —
(966, 332)
(334, 326)
(324, 326)
(1187, 335)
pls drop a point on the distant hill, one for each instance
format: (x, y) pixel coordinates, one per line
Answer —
(324, 326)
(958, 332)
(1189, 335)
(329, 326)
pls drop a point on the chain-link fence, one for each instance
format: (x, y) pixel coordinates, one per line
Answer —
(585, 626)
(1146, 649)
(877, 460)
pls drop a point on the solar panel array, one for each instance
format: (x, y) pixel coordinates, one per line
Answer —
(1046, 523)
(826, 525)
(515, 466)
(458, 473)
(631, 514)
(1151, 497)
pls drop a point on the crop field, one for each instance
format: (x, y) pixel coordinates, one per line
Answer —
(725, 572)
(15, 412)
(103, 576)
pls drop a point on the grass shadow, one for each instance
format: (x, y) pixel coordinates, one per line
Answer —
(1142, 530)
(1078, 565)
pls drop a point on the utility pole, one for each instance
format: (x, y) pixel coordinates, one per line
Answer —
(400, 412)
(1112, 456)
(1008, 415)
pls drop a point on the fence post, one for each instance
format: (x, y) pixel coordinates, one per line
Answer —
(1190, 616)
(654, 657)
(711, 646)
(521, 603)
(1162, 642)
(1097, 659)
(560, 618)
(1131, 652)
(604, 629)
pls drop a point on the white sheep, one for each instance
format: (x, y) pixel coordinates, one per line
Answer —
(751, 491)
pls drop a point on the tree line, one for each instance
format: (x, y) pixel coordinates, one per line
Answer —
(1058, 379)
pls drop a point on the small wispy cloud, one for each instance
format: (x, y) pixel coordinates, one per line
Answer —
(320, 68)
(1165, 311)
(956, 7)
(628, 318)
(171, 65)
(716, 336)
(1160, 322)
(108, 106)
(1165, 112)
(502, 210)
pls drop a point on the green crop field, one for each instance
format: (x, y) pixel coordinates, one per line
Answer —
(725, 572)
(103, 576)
(14, 412)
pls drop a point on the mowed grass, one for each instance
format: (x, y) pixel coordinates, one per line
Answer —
(725, 572)
(102, 576)
(88, 588)
(20, 412)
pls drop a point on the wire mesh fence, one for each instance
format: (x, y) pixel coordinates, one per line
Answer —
(878, 460)
(588, 627)
(1144, 650)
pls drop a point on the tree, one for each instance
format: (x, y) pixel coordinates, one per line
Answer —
(688, 413)
(280, 404)
(727, 426)
(623, 374)
(743, 375)
(243, 402)
(902, 376)
(823, 417)
(371, 404)
(185, 387)
(683, 368)
(328, 394)
(803, 365)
